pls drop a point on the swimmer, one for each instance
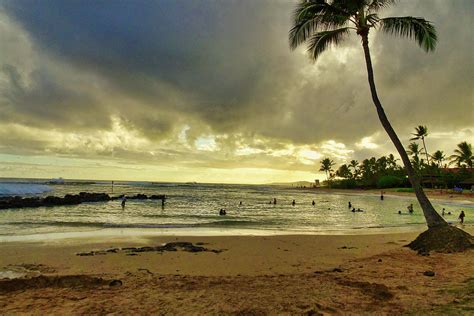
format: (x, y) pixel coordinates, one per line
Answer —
(349, 204)
(274, 201)
(293, 203)
(353, 210)
(399, 212)
(314, 203)
(222, 212)
(240, 204)
(442, 212)
(124, 200)
(461, 217)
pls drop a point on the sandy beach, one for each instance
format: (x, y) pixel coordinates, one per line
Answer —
(240, 275)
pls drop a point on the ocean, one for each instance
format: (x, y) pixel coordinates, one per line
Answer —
(193, 209)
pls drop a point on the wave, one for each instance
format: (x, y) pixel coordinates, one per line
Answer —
(9, 188)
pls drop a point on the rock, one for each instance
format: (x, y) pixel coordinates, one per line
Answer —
(380, 260)
(429, 273)
(337, 270)
(115, 283)
(83, 254)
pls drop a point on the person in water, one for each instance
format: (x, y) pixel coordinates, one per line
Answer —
(293, 203)
(124, 200)
(400, 212)
(353, 210)
(461, 217)
(381, 195)
(222, 212)
(410, 208)
(240, 204)
(274, 201)
(349, 204)
(442, 212)
(314, 203)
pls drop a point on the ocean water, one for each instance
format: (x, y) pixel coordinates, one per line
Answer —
(194, 209)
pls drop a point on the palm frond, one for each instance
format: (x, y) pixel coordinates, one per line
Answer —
(414, 28)
(321, 41)
(312, 16)
(373, 19)
(376, 5)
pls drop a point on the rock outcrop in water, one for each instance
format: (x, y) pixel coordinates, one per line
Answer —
(68, 199)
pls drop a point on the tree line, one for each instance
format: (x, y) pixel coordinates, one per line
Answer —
(384, 172)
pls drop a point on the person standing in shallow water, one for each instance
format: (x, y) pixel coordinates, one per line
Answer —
(124, 200)
(314, 203)
(381, 195)
(293, 203)
(461, 217)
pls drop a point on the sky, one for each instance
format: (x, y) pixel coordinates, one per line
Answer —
(209, 91)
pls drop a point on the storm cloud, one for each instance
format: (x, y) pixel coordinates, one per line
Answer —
(213, 84)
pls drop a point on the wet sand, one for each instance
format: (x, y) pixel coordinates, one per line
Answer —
(245, 275)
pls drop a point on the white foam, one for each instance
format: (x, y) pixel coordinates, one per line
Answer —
(8, 188)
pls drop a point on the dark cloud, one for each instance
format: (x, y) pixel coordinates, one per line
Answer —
(224, 68)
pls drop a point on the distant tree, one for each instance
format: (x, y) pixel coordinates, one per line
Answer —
(420, 133)
(354, 164)
(392, 162)
(325, 23)
(438, 157)
(344, 172)
(326, 166)
(463, 155)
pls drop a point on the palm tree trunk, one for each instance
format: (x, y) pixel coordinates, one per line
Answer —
(433, 219)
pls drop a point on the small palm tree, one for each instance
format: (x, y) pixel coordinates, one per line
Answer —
(323, 23)
(463, 155)
(354, 164)
(438, 157)
(420, 133)
(414, 150)
(326, 166)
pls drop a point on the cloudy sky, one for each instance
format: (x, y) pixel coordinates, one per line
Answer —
(209, 90)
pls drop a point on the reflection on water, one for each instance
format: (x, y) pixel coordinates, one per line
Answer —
(197, 207)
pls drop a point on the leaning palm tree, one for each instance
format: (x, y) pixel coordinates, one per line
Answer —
(326, 166)
(463, 155)
(420, 133)
(323, 23)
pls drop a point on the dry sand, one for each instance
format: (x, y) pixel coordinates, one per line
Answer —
(251, 276)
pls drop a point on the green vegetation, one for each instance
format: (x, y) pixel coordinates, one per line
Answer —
(384, 172)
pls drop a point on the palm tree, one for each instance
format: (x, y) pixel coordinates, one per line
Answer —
(326, 166)
(354, 164)
(344, 172)
(439, 157)
(323, 23)
(463, 155)
(420, 133)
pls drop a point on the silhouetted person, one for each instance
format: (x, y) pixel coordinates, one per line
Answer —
(349, 205)
(274, 201)
(314, 203)
(410, 208)
(124, 200)
(240, 203)
(442, 212)
(461, 217)
(222, 212)
(449, 213)
(353, 210)
(400, 212)
(293, 203)
(381, 195)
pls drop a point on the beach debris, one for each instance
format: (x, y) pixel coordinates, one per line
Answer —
(171, 246)
(380, 260)
(337, 270)
(116, 283)
(346, 247)
(429, 273)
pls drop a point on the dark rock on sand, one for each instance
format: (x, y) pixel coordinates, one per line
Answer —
(429, 273)
(115, 283)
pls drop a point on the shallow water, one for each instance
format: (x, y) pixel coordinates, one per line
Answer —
(195, 207)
